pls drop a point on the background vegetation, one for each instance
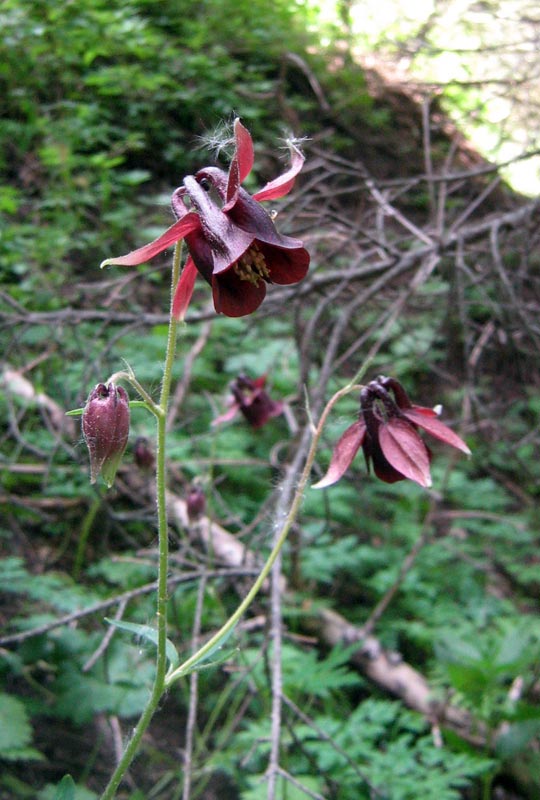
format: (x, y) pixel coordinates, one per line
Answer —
(411, 636)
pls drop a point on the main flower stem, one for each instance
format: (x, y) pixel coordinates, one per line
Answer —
(159, 686)
(163, 680)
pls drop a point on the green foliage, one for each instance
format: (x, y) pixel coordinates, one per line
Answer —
(15, 731)
(379, 745)
(481, 671)
(102, 104)
(66, 790)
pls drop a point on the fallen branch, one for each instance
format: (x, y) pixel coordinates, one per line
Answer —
(386, 669)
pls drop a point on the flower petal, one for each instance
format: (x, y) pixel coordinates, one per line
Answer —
(235, 297)
(244, 150)
(426, 412)
(435, 428)
(282, 185)
(219, 242)
(184, 289)
(343, 455)
(405, 451)
(172, 235)
(241, 164)
(260, 382)
(285, 266)
(228, 415)
(249, 216)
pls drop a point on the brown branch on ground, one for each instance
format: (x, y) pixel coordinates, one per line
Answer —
(386, 669)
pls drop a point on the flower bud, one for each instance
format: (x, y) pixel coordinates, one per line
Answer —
(143, 454)
(105, 425)
(195, 502)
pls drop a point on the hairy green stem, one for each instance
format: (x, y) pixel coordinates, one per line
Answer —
(227, 628)
(161, 489)
(164, 680)
(83, 537)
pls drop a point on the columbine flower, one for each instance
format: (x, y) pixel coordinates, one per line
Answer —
(252, 400)
(105, 424)
(232, 240)
(387, 432)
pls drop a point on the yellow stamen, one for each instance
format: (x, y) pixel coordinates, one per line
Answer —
(252, 266)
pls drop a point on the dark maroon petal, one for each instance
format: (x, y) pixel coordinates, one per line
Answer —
(220, 242)
(235, 297)
(282, 185)
(400, 395)
(184, 289)
(343, 455)
(201, 253)
(435, 428)
(178, 231)
(248, 215)
(260, 409)
(285, 266)
(405, 451)
(375, 459)
(209, 260)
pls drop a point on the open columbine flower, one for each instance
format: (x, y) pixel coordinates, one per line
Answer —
(387, 432)
(250, 398)
(232, 241)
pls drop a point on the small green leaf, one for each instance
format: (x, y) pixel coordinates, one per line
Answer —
(203, 661)
(204, 664)
(65, 789)
(15, 730)
(217, 646)
(150, 634)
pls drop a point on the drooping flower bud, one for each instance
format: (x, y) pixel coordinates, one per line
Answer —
(143, 454)
(195, 502)
(105, 425)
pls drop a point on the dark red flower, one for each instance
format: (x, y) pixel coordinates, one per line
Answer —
(195, 502)
(143, 454)
(250, 398)
(232, 241)
(105, 424)
(387, 432)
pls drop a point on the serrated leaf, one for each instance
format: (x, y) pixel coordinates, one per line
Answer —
(15, 730)
(150, 634)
